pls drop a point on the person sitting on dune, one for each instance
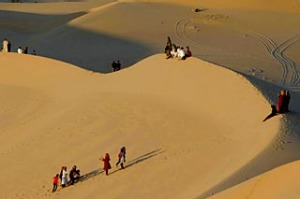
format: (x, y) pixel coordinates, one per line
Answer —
(20, 50)
(181, 53)
(188, 52)
(174, 51)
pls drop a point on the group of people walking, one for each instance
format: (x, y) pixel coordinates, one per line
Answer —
(121, 160)
(173, 51)
(74, 174)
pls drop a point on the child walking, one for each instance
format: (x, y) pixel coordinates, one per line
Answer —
(55, 182)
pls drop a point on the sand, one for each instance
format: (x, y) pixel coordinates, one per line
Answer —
(192, 128)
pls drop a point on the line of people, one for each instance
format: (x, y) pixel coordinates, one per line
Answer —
(173, 51)
(74, 174)
(6, 47)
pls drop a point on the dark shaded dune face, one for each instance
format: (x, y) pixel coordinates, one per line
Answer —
(37, 1)
(23, 22)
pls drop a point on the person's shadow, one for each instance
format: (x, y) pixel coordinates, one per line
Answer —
(272, 114)
(129, 164)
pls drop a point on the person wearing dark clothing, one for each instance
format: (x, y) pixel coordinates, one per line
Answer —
(168, 50)
(74, 175)
(286, 101)
(122, 157)
(118, 65)
(71, 175)
(25, 50)
(188, 52)
(114, 66)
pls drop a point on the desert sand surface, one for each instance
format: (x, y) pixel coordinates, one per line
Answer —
(192, 128)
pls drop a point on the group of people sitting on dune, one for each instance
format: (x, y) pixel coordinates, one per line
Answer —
(74, 174)
(173, 51)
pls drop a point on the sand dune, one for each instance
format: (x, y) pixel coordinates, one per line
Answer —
(281, 182)
(70, 116)
(192, 128)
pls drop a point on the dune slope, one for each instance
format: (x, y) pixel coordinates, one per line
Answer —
(188, 125)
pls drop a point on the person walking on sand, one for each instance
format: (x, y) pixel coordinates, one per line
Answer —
(106, 163)
(64, 178)
(122, 157)
(55, 182)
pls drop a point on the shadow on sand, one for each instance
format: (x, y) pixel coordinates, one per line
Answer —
(129, 164)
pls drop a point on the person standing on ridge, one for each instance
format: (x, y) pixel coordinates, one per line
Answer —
(5, 46)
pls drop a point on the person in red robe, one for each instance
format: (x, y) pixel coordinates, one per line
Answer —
(281, 98)
(106, 163)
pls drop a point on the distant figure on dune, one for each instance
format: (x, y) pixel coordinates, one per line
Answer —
(282, 105)
(25, 50)
(106, 163)
(283, 101)
(181, 53)
(286, 101)
(113, 66)
(188, 52)
(174, 50)
(118, 65)
(122, 157)
(6, 46)
(280, 102)
(20, 50)
(169, 42)
(168, 48)
(55, 182)
(33, 52)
